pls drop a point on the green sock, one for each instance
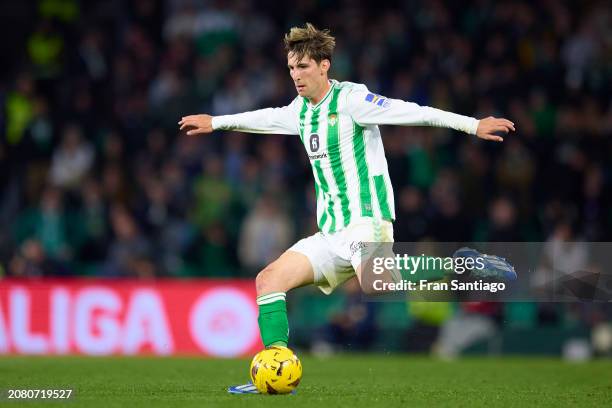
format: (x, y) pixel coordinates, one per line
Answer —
(273, 322)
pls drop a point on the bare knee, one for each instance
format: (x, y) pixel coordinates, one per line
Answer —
(268, 281)
(290, 270)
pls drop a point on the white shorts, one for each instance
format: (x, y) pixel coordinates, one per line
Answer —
(335, 257)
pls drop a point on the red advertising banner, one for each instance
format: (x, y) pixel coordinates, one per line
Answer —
(126, 317)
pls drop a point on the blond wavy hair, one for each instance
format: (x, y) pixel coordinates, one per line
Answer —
(311, 42)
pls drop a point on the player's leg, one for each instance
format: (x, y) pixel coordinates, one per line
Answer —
(372, 241)
(373, 276)
(291, 270)
(301, 265)
(375, 238)
(375, 262)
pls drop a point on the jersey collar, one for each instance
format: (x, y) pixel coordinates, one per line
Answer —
(332, 83)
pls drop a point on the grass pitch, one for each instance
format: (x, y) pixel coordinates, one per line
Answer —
(340, 381)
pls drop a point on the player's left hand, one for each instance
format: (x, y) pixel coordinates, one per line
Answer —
(490, 128)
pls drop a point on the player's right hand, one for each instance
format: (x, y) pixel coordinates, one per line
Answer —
(196, 124)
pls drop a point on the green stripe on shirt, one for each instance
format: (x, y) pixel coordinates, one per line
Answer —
(314, 123)
(302, 116)
(333, 147)
(381, 194)
(324, 190)
(365, 196)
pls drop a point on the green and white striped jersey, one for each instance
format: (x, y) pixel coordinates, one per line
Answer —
(342, 140)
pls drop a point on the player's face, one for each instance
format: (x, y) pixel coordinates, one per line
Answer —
(309, 77)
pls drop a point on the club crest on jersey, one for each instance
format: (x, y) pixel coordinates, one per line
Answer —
(332, 119)
(378, 100)
(314, 142)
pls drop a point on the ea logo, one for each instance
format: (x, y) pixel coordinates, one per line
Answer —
(223, 322)
(314, 142)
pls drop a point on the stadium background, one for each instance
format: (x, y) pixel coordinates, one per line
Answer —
(96, 182)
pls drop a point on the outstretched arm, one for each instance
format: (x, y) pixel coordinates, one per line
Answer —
(367, 108)
(270, 120)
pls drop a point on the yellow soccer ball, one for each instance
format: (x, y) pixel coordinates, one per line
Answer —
(276, 370)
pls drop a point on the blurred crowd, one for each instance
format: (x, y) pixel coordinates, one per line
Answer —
(95, 178)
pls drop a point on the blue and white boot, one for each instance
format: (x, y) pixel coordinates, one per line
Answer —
(495, 267)
(248, 388)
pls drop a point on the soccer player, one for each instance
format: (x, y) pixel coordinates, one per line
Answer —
(337, 123)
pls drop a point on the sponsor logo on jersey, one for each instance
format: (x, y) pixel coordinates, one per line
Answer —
(378, 100)
(314, 142)
(317, 156)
